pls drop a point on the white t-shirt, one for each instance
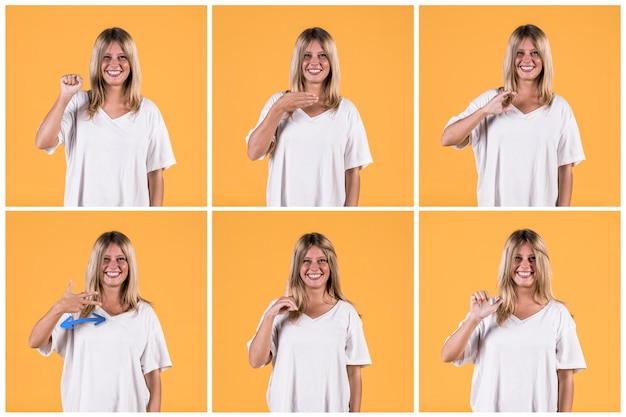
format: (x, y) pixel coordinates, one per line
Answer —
(108, 160)
(518, 155)
(104, 364)
(311, 155)
(515, 365)
(309, 359)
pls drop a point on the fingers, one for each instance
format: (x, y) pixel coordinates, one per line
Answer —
(480, 296)
(68, 290)
(71, 79)
(287, 288)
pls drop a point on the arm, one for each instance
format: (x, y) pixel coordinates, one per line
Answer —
(356, 388)
(353, 187)
(153, 382)
(566, 183)
(454, 348)
(566, 389)
(156, 187)
(261, 138)
(48, 133)
(459, 131)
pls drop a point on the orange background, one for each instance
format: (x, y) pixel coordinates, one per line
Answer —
(252, 48)
(460, 253)
(44, 250)
(461, 56)
(251, 258)
(43, 43)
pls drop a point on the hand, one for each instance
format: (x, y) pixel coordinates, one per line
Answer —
(501, 103)
(71, 84)
(479, 305)
(73, 303)
(292, 101)
(283, 305)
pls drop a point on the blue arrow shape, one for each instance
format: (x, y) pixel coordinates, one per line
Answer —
(68, 323)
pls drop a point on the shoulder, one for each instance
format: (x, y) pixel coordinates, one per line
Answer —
(145, 309)
(559, 102)
(347, 308)
(149, 105)
(487, 95)
(81, 98)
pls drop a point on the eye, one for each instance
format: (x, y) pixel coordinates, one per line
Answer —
(531, 259)
(123, 57)
(106, 260)
(121, 259)
(306, 261)
(518, 259)
(322, 56)
(307, 56)
(322, 261)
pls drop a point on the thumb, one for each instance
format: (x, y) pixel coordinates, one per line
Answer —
(69, 287)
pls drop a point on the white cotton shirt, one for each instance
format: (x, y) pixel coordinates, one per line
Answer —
(518, 155)
(311, 155)
(104, 365)
(515, 365)
(309, 359)
(108, 160)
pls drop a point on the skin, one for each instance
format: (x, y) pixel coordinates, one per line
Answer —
(314, 272)
(115, 70)
(523, 273)
(315, 68)
(528, 67)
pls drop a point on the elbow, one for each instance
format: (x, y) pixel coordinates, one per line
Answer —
(446, 356)
(446, 139)
(252, 155)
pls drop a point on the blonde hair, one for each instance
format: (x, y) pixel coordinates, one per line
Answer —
(296, 76)
(298, 290)
(543, 272)
(129, 295)
(132, 85)
(540, 40)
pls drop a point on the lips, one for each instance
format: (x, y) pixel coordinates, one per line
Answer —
(314, 276)
(314, 70)
(524, 274)
(114, 73)
(113, 274)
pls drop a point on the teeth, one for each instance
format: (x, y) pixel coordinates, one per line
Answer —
(315, 71)
(524, 274)
(114, 73)
(314, 276)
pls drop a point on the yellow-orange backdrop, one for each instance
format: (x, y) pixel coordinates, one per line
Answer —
(251, 258)
(44, 250)
(460, 253)
(252, 49)
(461, 56)
(43, 43)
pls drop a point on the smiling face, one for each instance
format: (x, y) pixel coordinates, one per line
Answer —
(528, 63)
(115, 67)
(315, 65)
(114, 266)
(314, 270)
(523, 267)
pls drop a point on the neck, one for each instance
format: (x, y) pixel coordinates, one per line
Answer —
(528, 89)
(526, 295)
(111, 295)
(316, 296)
(316, 89)
(114, 95)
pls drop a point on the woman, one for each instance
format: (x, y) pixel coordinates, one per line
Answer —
(525, 137)
(523, 346)
(314, 338)
(315, 138)
(116, 142)
(109, 336)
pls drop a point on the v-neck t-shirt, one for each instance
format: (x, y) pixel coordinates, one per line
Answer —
(515, 365)
(108, 159)
(518, 154)
(310, 358)
(104, 364)
(311, 155)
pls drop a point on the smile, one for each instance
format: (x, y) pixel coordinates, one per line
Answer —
(114, 73)
(314, 71)
(314, 276)
(527, 68)
(524, 274)
(112, 274)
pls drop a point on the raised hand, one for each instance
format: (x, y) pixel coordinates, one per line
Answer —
(480, 306)
(501, 103)
(284, 304)
(73, 303)
(71, 84)
(292, 101)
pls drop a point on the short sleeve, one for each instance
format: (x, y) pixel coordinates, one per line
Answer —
(475, 105)
(160, 154)
(155, 354)
(264, 113)
(357, 352)
(357, 152)
(471, 349)
(569, 354)
(570, 148)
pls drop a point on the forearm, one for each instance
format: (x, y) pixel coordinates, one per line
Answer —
(261, 138)
(459, 131)
(566, 184)
(156, 187)
(42, 331)
(353, 187)
(259, 353)
(566, 389)
(153, 382)
(48, 132)
(454, 348)
(356, 388)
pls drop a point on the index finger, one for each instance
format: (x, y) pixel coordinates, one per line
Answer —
(286, 294)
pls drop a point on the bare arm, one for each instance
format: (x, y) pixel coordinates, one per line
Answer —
(48, 133)
(153, 382)
(356, 387)
(459, 131)
(353, 187)
(566, 184)
(566, 389)
(156, 187)
(261, 138)
(41, 334)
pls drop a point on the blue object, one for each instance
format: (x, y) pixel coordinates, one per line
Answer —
(68, 323)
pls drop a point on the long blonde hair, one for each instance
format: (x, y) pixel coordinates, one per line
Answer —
(331, 83)
(540, 40)
(132, 85)
(129, 295)
(543, 272)
(298, 290)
